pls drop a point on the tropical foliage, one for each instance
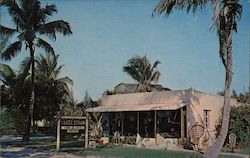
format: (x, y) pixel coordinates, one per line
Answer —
(7, 122)
(73, 107)
(14, 102)
(141, 70)
(31, 24)
(239, 120)
(51, 91)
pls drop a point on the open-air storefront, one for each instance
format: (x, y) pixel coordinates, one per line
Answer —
(147, 119)
(167, 123)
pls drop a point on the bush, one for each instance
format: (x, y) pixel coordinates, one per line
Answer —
(239, 125)
(7, 123)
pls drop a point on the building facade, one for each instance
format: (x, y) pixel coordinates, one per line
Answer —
(181, 117)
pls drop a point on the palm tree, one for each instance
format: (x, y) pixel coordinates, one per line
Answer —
(31, 21)
(140, 69)
(14, 99)
(52, 90)
(48, 70)
(71, 105)
(225, 16)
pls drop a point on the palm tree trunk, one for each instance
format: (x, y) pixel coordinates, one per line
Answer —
(214, 150)
(29, 123)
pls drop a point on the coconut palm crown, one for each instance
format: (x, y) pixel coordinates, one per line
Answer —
(30, 19)
(140, 69)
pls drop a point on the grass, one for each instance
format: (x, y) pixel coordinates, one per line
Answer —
(245, 151)
(129, 152)
(76, 147)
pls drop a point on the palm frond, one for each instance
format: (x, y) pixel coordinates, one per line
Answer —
(217, 13)
(7, 74)
(6, 32)
(11, 50)
(225, 10)
(66, 80)
(58, 70)
(236, 13)
(46, 46)
(16, 13)
(80, 104)
(3, 42)
(155, 65)
(133, 72)
(33, 13)
(43, 13)
(49, 9)
(24, 68)
(146, 70)
(166, 6)
(50, 29)
(155, 76)
(139, 68)
(6, 70)
(63, 87)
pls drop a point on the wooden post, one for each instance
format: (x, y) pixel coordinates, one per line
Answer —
(87, 131)
(58, 137)
(187, 112)
(138, 123)
(155, 123)
(122, 122)
(182, 123)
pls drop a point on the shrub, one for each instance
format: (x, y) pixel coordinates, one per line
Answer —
(7, 123)
(239, 124)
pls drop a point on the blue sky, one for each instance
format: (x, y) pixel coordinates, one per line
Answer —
(106, 33)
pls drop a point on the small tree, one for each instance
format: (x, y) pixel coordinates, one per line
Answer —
(141, 70)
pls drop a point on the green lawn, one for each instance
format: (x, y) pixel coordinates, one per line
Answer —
(129, 152)
(76, 148)
(125, 152)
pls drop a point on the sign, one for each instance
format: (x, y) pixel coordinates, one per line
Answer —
(71, 124)
(72, 131)
(72, 127)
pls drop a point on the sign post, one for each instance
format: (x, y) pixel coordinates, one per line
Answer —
(58, 135)
(72, 124)
(86, 133)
